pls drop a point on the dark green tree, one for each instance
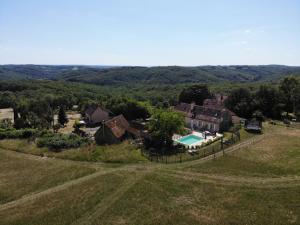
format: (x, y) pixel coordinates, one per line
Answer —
(240, 102)
(267, 101)
(7, 99)
(290, 88)
(196, 93)
(130, 109)
(62, 117)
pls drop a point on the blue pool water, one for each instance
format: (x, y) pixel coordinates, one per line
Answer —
(190, 139)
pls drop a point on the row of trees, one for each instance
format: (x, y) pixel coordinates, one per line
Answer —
(38, 114)
(268, 100)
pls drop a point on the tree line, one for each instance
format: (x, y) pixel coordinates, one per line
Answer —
(273, 102)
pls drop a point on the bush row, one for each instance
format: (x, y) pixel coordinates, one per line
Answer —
(56, 142)
(14, 134)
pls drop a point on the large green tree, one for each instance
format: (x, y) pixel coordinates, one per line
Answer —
(290, 87)
(163, 125)
(35, 113)
(131, 109)
(267, 100)
(196, 93)
(240, 102)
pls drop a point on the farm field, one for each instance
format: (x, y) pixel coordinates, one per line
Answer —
(259, 184)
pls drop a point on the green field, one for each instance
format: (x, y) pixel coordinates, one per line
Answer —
(119, 153)
(23, 174)
(259, 184)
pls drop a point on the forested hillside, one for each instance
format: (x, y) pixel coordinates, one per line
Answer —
(148, 75)
(36, 71)
(178, 75)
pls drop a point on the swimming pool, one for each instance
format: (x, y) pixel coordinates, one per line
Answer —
(189, 140)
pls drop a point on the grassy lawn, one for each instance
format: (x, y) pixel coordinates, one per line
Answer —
(161, 199)
(278, 154)
(119, 153)
(20, 176)
(244, 135)
(65, 206)
(257, 185)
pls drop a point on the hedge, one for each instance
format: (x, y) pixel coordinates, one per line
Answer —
(16, 134)
(57, 142)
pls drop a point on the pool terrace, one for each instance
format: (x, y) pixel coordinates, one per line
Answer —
(195, 139)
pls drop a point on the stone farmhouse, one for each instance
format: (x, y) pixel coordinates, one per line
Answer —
(115, 130)
(211, 116)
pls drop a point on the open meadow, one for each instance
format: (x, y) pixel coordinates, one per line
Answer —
(258, 184)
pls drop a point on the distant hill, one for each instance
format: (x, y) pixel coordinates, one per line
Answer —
(117, 76)
(38, 71)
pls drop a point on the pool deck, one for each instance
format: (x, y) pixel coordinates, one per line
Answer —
(176, 138)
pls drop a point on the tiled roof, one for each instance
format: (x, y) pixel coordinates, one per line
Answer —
(92, 108)
(206, 113)
(183, 107)
(119, 125)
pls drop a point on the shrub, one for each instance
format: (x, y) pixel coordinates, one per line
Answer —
(14, 134)
(56, 142)
(6, 124)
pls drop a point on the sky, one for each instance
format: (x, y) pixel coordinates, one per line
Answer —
(150, 32)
